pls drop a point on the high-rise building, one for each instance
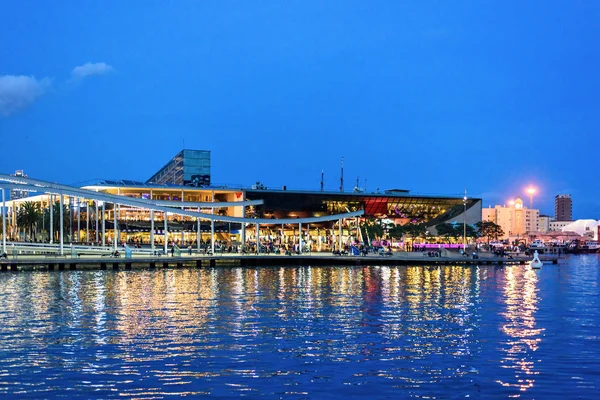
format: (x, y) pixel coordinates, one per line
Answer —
(17, 193)
(188, 168)
(563, 207)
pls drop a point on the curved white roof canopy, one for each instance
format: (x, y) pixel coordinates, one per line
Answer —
(28, 184)
(584, 227)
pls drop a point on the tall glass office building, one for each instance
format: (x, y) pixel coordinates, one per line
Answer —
(187, 168)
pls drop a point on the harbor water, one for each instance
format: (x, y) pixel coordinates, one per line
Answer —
(444, 332)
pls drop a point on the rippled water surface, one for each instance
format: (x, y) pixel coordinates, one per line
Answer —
(303, 332)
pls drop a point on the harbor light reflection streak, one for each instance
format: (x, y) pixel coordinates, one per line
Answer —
(523, 338)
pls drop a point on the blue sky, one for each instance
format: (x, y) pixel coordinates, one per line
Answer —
(428, 96)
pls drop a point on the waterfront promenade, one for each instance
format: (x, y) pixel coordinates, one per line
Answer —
(148, 260)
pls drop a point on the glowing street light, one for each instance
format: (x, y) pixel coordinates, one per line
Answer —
(531, 191)
(465, 222)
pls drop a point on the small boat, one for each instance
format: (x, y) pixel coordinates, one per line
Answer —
(538, 245)
(536, 263)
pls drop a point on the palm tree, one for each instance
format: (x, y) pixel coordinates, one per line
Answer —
(56, 219)
(373, 229)
(29, 216)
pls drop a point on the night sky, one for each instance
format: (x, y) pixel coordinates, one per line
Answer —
(434, 97)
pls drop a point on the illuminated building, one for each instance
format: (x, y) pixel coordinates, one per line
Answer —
(556, 226)
(398, 206)
(544, 223)
(186, 179)
(187, 168)
(515, 220)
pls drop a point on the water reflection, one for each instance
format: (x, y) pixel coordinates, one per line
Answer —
(520, 297)
(290, 331)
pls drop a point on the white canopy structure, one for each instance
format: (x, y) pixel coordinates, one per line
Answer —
(8, 182)
(583, 227)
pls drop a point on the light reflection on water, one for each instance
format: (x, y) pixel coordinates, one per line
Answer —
(298, 332)
(523, 337)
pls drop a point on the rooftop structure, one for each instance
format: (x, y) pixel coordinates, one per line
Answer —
(187, 168)
(17, 193)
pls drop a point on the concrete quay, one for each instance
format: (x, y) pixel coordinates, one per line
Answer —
(53, 262)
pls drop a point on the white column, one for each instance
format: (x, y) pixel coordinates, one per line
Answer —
(300, 237)
(319, 238)
(87, 221)
(115, 228)
(243, 226)
(340, 239)
(61, 225)
(51, 218)
(152, 223)
(103, 225)
(182, 224)
(257, 238)
(152, 229)
(118, 219)
(198, 234)
(3, 222)
(78, 219)
(96, 212)
(70, 218)
(165, 232)
(212, 223)
(212, 236)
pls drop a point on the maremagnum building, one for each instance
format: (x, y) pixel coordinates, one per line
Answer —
(186, 179)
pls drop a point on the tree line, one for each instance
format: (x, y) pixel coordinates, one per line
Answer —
(375, 229)
(33, 219)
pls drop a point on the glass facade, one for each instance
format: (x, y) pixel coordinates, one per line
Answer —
(402, 208)
(187, 168)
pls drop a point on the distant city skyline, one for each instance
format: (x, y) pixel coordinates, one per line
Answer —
(428, 96)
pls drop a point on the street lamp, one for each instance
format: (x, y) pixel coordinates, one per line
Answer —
(531, 191)
(465, 222)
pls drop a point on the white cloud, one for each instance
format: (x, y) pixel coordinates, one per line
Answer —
(19, 91)
(91, 69)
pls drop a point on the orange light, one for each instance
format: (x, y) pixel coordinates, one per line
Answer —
(531, 191)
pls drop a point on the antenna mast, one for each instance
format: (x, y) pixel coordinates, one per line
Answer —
(322, 180)
(342, 177)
